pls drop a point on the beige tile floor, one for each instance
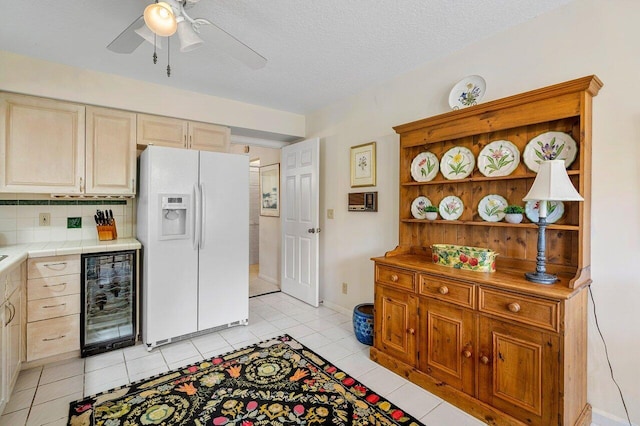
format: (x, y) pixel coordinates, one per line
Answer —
(42, 395)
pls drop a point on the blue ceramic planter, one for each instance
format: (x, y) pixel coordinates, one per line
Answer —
(363, 323)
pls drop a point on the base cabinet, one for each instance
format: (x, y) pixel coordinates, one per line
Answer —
(395, 323)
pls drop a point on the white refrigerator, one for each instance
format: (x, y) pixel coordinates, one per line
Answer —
(193, 223)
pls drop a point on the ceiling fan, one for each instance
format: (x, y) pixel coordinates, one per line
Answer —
(163, 19)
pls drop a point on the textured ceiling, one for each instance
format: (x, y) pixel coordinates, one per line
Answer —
(318, 51)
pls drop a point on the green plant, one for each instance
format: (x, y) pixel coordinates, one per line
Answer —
(430, 209)
(513, 209)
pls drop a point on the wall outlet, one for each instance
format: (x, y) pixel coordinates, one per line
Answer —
(344, 288)
(329, 213)
(45, 219)
(74, 222)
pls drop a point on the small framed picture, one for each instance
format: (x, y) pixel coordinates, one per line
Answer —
(363, 165)
(270, 190)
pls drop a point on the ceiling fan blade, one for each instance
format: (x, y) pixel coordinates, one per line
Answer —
(234, 47)
(128, 40)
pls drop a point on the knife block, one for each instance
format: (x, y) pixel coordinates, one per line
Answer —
(107, 232)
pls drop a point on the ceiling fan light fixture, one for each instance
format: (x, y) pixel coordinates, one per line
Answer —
(148, 35)
(189, 40)
(160, 19)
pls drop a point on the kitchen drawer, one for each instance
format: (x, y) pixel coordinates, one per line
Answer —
(53, 307)
(39, 267)
(529, 310)
(447, 290)
(53, 337)
(396, 277)
(63, 285)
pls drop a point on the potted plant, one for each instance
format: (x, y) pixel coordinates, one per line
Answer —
(431, 212)
(513, 213)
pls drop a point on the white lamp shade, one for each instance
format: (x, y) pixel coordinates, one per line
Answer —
(552, 184)
(160, 19)
(148, 35)
(189, 40)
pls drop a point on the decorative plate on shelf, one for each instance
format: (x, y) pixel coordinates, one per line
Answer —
(424, 167)
(549, 146)
(555, 210)
(451, 207)
(457, 163)
(418, 205)
(467, 92)
(499, 158)
(491, 208)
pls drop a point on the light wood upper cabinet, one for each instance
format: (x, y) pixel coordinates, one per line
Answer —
(41, 145)
(173, 132)
(111, 152)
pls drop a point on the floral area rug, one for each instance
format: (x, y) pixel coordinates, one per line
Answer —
(275, 382)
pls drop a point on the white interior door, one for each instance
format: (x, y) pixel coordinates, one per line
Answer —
(300, 220)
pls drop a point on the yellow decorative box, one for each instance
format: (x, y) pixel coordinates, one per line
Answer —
(464, 257)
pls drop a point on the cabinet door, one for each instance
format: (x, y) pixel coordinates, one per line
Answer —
(446, 343)
(111, 152)
(13, 330)
(161, 131)
(208, 137)
(41, 145)
(518, 371)
(395, 323)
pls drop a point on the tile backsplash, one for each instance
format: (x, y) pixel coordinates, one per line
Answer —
(19, 218)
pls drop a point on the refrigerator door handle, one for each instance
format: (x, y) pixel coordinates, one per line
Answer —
(203, 214)
(196, 218)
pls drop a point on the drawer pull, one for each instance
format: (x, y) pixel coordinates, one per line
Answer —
(484, 359)
(466, 353)
(514, 307)
(54, 306)
(443, 289)
(394, 278)
(46, 339)
(411, 331)
(54, 285)
(49, 265)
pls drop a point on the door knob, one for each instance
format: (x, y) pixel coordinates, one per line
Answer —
(313, 230)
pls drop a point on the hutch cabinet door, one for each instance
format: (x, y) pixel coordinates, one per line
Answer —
(395, 323)
(445, 346)
(518, 371)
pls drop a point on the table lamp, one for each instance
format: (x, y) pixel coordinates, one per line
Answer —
(551, 184)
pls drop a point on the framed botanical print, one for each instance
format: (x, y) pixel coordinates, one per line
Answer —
(270, 190)
(363, 165)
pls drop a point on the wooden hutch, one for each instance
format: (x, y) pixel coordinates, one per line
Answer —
(506, 350)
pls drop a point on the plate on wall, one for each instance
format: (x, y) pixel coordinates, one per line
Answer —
(491, 208)
(499, 158)
(467, 92)
(555, 210)
(457, 163)
(451, 207)
(549, 146)
(418, 205)
(424, 167)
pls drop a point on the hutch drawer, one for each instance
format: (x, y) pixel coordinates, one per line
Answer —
(395, 277)
(447, 290)
(532, 311)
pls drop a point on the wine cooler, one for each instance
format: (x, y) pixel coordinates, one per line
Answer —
(108, 316)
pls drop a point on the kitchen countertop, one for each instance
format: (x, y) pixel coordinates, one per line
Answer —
(18, 252)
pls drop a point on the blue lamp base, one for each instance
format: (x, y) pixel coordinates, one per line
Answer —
(540, 276)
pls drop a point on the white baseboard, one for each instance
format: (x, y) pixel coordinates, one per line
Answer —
(269, 279)
(337, 308)
(601, 418)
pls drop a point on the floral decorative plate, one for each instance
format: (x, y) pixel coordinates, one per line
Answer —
(424, 167)
(467, 92)
(499, 158)
(491, 208)
(555, 210)
(457, 163)
(418, 205)
(451, 207)
(549, 146)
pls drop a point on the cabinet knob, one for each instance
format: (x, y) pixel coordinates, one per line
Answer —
(466, 353)
(514, 307)
(394, 278)
(484, 359)
(411, 331)
(443, 289)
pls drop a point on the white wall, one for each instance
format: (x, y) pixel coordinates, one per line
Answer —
(32, 76)
(583, 38)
